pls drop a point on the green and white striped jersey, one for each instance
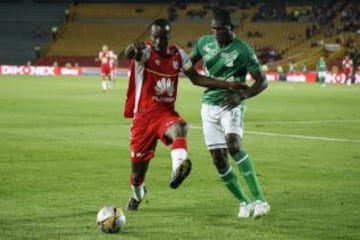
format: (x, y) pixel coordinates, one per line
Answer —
(230, 63)
(321, 66)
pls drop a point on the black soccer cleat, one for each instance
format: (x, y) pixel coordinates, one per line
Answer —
(133, 203)
(180, 174)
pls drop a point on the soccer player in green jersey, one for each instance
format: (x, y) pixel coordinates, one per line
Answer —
(228, 58)
(321, 70)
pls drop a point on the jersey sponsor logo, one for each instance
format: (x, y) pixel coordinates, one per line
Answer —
(164, 90)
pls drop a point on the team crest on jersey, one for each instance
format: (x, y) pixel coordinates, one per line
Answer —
(175, 65)
(157, 62)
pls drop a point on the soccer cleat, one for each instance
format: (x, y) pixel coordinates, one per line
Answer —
(133, 203)
(180, 174)
(245, 210)
(261, 208)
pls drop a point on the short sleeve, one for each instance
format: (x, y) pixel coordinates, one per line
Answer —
(186, 62)
(146, 53)
(253, 63)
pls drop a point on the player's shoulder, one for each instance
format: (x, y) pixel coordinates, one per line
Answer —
(241, 42)
(243, 45)
(206, 39)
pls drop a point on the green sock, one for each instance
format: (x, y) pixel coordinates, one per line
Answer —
(232, 183)
(247, 169)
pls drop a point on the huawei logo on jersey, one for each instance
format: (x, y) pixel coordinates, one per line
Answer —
(164, 89)
(164, 86)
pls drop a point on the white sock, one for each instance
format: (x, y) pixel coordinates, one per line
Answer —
(109, 84)
(139, 191)
(103, 85)
(178, 156)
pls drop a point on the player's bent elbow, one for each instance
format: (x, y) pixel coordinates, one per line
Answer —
(264, 85)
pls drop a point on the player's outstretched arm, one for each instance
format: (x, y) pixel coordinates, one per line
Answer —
(209, 82)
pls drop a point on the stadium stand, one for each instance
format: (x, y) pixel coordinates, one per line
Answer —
(297, 31)
(25, 25)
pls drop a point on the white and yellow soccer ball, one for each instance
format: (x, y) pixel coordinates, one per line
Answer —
(111, 219)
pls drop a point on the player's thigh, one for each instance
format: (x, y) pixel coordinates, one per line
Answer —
(232, 121)
(170, 125)
(143, 141)
(213, 132)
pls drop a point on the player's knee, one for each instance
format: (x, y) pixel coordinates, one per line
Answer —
(219, 157)
(233, 143)
(177, 130)
(182, 129)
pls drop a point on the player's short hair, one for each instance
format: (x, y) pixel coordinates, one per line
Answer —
(163, 23)
(222, 15)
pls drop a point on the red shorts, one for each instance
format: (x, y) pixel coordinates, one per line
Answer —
(146, 129)
(105, 69)
(347, 72)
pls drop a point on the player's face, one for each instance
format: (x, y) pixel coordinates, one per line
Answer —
(160, 37)
(223, 32)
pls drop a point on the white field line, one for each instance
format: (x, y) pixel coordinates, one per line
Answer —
(296, 136)
(308, 122)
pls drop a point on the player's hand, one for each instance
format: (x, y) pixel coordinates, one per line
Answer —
(138, 47)
(232, 100)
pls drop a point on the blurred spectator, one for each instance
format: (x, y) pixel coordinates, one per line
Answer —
(303, 67)
(54, 33)
(291, 67)
(37, 51)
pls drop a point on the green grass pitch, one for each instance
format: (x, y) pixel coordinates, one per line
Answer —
(64, 155)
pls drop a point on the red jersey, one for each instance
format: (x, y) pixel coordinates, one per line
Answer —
(348, 67)
(151, 98)
(104, 57)
(154, 80)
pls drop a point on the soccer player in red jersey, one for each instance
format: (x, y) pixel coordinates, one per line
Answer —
(150, 102)
(105, 68)
(348, 67)
(113, 68)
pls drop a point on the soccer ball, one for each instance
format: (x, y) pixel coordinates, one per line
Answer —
(111, 219)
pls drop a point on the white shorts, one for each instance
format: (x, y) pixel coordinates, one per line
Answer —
(322, 74)
(217, 122)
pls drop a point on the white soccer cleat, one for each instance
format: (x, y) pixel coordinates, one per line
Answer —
(261, 208)
(245, 210)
